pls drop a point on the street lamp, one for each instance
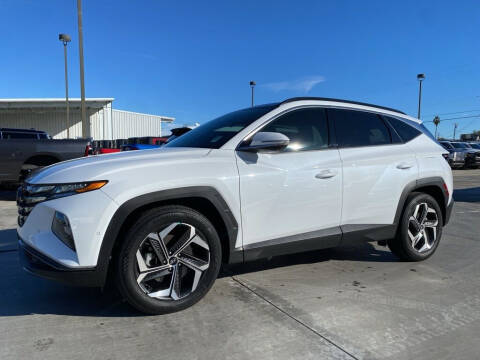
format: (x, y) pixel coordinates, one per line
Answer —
(85, 124)
(420, 78)
(436, 121)
(252, 85)
(65, 38)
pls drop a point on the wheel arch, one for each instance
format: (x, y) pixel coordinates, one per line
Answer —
(42, 159)
(433, 186)
(204, 199)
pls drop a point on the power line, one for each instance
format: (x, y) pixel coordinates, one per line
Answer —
(466, 126)
(451, 113)
(455, 118)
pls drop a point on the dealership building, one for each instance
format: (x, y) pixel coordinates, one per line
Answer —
(106, 123)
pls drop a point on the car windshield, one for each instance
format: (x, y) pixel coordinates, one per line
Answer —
(215, 133)
(446, 145)
(475, 146)
(458, 145)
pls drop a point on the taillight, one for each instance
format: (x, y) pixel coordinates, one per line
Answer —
(88, 150)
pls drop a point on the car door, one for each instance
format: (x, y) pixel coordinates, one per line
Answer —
(12, 147)
(377, 167)
(292, 197)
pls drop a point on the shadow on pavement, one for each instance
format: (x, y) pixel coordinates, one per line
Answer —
(8, 240)
(7, 195)
(363, 252)
(24, 294)
(467, 195)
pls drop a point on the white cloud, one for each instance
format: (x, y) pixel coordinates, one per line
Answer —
(300, 85)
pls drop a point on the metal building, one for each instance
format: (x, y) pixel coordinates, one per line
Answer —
(106, 123)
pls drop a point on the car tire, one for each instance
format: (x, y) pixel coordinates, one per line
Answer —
(169, 260)
(420, 228)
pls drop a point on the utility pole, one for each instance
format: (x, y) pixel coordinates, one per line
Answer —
(66, 39)
(454, 130)
(420, 78)
(252, 85)
(436, 121)
(85, 125)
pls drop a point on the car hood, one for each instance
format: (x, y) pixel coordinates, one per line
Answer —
(104, 167)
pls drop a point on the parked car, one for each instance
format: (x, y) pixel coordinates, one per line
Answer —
(129, 147)
(152, 143)
(8, 133)
(177, 132)
(24, 150)
(474, 145)
(472, 156)
(456, 157)
(303, 174)
(101, 151)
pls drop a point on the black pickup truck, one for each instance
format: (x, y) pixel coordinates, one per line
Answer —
(22, 151)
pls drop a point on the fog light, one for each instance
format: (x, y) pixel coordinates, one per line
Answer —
(61, 228)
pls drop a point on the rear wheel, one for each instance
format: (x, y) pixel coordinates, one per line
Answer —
(420, 229)
(169, 260)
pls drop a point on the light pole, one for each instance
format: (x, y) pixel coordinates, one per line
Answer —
(436, 121)
(454, 130)
(65, 38)
(420, 78)
(85, 125)
(252, 85)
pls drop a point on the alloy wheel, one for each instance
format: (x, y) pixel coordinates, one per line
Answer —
(422, 227)
(171, 262)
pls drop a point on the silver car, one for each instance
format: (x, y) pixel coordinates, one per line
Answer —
(456, 157)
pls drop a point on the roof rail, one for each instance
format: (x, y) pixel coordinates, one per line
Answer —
(342, 101)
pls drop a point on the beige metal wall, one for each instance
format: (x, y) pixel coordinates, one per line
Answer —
(130, 124)
(105, 123)
(53, 121)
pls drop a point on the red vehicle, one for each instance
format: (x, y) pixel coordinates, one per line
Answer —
(106, 151)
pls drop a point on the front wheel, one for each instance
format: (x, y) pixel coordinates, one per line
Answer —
(169, 260)
(420, 229)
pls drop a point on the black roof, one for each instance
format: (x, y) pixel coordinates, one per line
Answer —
(340, 100)
(24, 130)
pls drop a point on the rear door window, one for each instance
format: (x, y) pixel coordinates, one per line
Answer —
(358, 128)
(18, 135)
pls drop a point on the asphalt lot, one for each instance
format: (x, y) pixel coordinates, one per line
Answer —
(358, 302)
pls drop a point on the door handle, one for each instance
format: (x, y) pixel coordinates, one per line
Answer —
(325, 174)
(404, 166)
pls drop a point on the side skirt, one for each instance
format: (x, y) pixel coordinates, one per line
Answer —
(321, 239)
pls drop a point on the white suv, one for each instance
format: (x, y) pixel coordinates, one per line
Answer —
(307, 173)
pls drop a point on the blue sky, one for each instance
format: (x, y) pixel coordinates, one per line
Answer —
(194, 59)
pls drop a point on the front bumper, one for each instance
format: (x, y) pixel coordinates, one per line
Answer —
(38, 264)
(472, 160)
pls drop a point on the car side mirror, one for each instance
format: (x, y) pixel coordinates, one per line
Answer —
(265, 141)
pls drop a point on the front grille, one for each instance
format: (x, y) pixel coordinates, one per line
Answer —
(26, 202)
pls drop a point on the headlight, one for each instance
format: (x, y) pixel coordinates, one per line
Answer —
(48, 192)
(29, 195)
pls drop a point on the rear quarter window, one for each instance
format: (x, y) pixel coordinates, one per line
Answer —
(355, 128)
(406, 132)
